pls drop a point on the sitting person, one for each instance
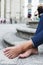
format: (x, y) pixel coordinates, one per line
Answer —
(31, 46)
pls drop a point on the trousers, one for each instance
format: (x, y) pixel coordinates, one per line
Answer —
(38, 36)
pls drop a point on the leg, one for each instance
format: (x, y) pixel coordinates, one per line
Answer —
(13, 52)
(25, 48)
(40, 25)
(38, 39)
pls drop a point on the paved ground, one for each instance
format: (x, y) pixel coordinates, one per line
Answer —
(32, 60)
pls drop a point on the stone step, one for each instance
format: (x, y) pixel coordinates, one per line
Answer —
(12, 39)
(32, 24)
(21, 35)
(25, 32)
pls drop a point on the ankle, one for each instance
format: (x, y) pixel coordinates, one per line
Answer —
(35, 50)
(27, 45)
(20, 48)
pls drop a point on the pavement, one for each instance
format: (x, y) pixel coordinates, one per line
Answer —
(32, 60)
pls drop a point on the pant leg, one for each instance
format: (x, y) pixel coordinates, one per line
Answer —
(38, 39)
(40, 25)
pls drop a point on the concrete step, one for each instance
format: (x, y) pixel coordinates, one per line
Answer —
(32, 24)
(22, 34)
(25, 32)
(12, 39)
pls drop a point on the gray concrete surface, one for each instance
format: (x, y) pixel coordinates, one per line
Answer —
(33, 24)
(22, 34)
(32, 60)
(25, 32)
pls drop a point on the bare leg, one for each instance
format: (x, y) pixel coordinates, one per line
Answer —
(12, 52)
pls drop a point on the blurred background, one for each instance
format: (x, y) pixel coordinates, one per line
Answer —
(18, 11)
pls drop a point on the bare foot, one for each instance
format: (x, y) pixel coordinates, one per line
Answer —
(29, 52)
(12, 52)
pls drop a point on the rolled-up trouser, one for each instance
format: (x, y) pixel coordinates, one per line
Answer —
(38, 36)
(40, 25)
(38, 39)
